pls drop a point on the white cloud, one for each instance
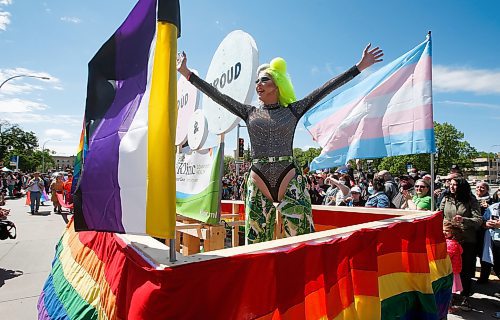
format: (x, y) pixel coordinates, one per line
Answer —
(74, 20)
(58, 133)
(5, 2)
(470, 104)
(4, 20)
(20, 106)
(454, 79)
(31, 118)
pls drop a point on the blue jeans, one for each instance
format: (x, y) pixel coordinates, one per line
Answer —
(35, 199)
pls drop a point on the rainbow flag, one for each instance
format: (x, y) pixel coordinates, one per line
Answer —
(399, 271)
(127, 177)
(80, 158)
(387, 114)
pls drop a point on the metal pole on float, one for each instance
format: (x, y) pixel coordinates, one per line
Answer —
(171, 242)
(221, 168)
(433, 204)
(236, 160)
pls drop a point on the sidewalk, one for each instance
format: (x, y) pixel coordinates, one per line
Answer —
(25, 262)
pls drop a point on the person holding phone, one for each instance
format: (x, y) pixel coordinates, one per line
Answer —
(491, 249)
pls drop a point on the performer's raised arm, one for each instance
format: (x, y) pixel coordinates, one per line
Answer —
(369, 57)
(239, 109)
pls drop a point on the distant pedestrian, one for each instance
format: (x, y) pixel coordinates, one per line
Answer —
(57, 187)
(35, 188)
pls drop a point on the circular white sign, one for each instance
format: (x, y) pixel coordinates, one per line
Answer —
(232, 72)
(197, 130)
(187, 100)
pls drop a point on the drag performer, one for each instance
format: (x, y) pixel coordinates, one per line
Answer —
(274, 175)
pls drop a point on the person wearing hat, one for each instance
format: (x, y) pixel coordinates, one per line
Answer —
(274, 175)
(355, 199)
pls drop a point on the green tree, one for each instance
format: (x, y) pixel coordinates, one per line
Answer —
(14, 141)
(228, 160)
(397, 164)
(451, 148)
(305, 156)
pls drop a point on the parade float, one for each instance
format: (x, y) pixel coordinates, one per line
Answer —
(136, 184)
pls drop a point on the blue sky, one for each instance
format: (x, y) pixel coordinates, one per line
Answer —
(319, 39)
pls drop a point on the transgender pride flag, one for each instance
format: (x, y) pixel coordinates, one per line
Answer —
(126, 168)
(387, 114)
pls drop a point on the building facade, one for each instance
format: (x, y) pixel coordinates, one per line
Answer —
(486, 169)
(63, 162)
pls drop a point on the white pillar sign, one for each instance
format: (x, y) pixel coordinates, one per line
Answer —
(187, 101)
(232, 71)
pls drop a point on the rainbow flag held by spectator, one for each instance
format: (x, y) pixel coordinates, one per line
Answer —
(387, 114)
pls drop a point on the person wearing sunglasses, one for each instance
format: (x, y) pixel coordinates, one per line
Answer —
(421, 200)
(274, 175)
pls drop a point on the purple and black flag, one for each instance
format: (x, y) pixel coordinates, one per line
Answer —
(127, 178)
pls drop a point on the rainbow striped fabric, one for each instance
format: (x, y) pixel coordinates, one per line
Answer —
(387, 114)
(401, 271)
(126, 173)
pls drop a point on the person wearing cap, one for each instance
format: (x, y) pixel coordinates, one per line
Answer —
(355, 199)
(274, 175)
(422, 199)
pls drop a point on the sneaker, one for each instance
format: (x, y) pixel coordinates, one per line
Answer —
(465, 305)
(32, 212)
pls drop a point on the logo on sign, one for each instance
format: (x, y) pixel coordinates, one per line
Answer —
(196, 127)
(182, 102)
(228, 76)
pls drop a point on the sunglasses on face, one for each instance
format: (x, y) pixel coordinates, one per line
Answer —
(263, 79)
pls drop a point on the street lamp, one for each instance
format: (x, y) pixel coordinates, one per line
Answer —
(43, 152)
(23, 75)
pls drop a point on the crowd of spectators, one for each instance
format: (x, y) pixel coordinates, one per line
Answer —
(475, 214)
(17, 184)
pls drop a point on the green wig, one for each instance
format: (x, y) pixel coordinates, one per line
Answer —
(277, 70)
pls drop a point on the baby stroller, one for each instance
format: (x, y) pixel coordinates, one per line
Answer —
(7, 228)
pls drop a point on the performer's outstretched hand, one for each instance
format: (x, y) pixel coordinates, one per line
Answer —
(370, 57)
(182, 64)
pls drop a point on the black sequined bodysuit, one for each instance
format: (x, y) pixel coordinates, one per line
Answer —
(272, 127)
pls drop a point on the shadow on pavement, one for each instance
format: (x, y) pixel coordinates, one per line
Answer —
(483, 302)
(6, 274)
(42, 213)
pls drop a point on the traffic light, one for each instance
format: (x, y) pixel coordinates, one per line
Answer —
(241, 147)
